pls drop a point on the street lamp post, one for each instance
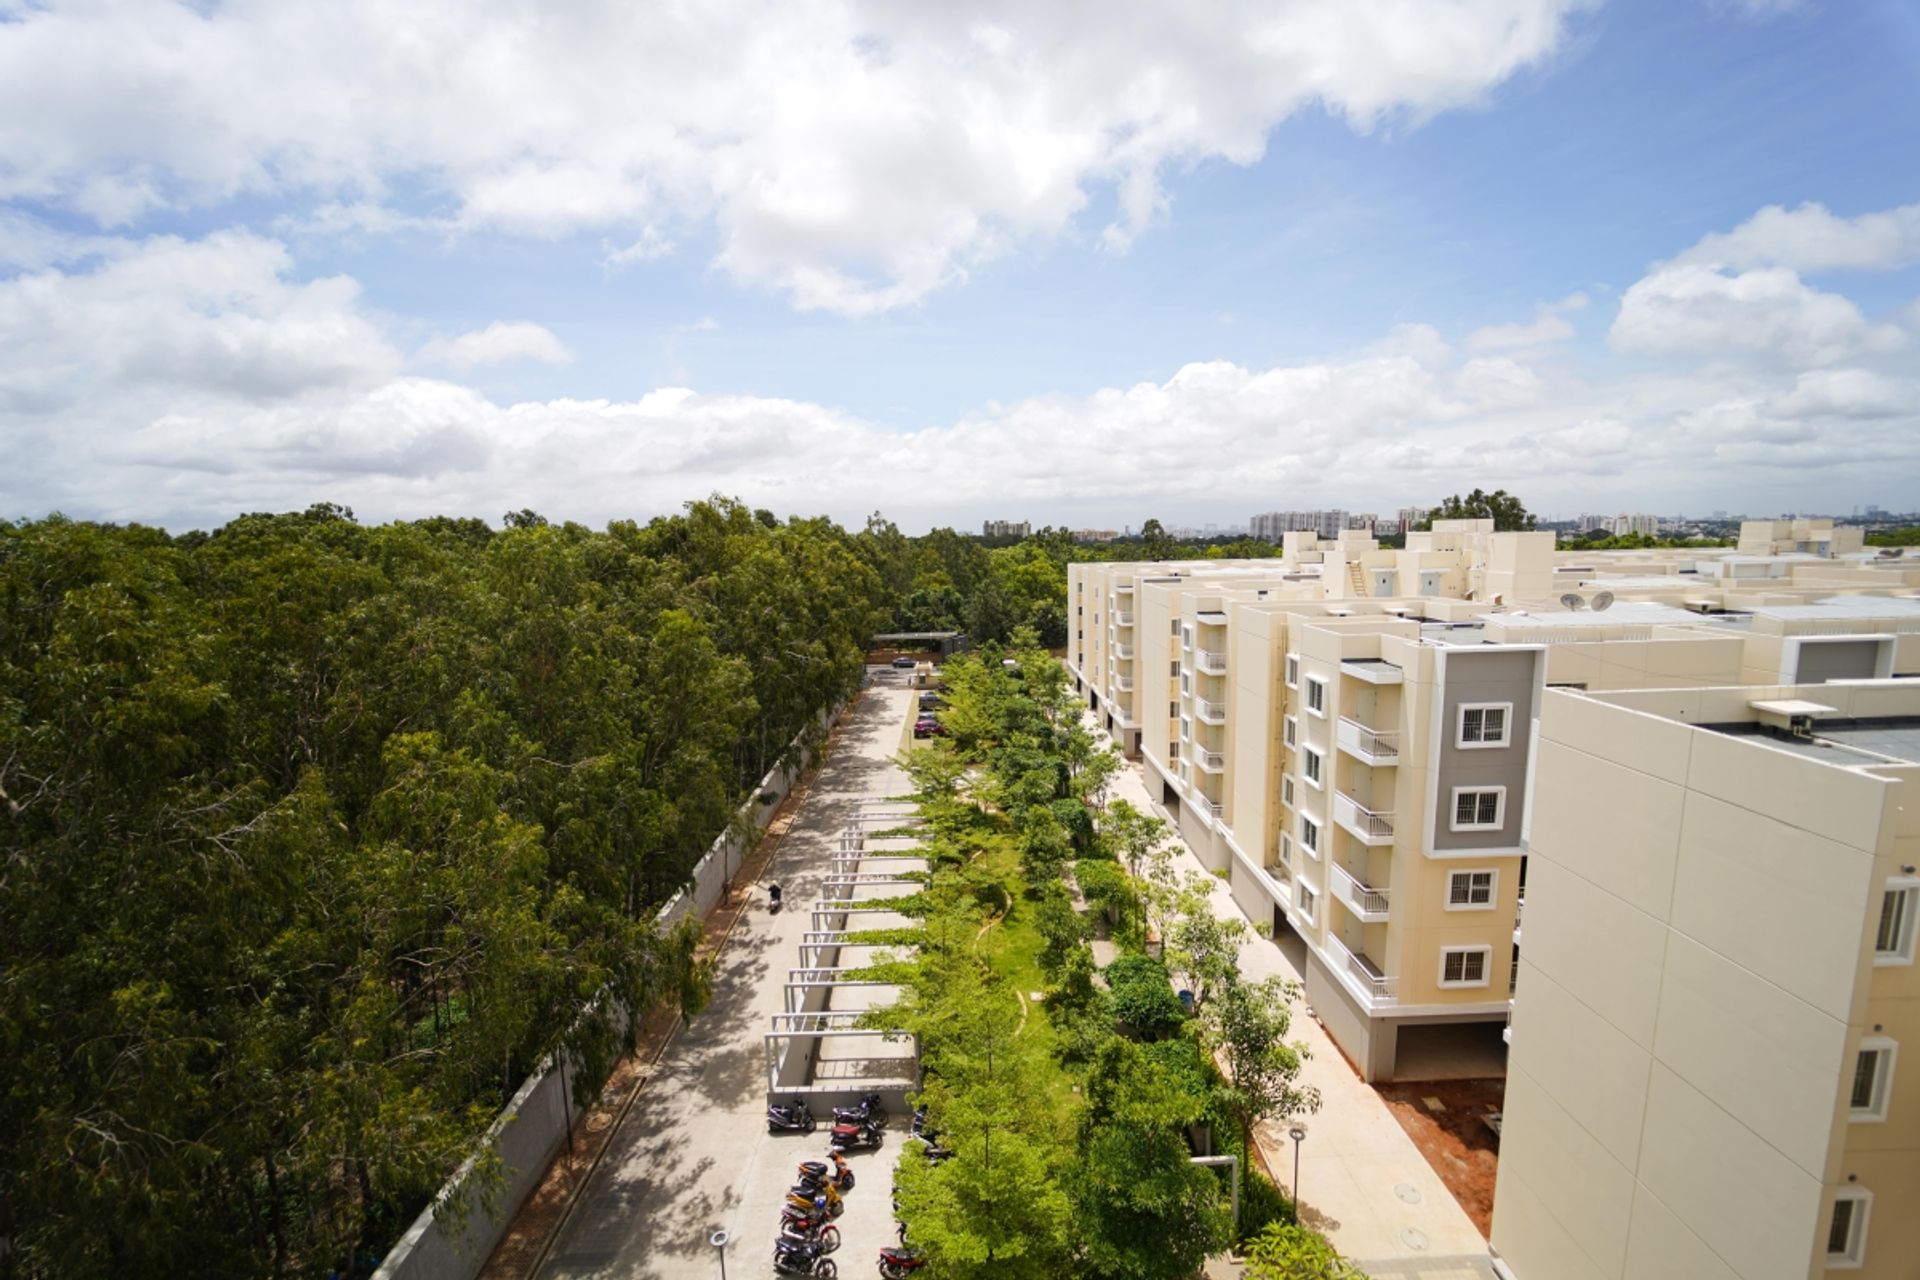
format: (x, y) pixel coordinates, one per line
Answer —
(719, 1242)
(1299, 1135)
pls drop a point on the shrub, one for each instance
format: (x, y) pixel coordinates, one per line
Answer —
(1261, 1205)
(1143, 996)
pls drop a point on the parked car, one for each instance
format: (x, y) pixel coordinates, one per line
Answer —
(931, 701)
(904, 663)
(928, 727)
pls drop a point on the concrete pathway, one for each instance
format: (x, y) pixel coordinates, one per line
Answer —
(1363, 1183)
(694, 1155)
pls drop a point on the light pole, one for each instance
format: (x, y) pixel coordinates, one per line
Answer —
(1299, 1135)
(719, 1242)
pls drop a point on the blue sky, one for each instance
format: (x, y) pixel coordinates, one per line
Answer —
(1182, 268)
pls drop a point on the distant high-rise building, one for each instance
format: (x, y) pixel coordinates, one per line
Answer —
(1005, 528)
(1624, 525)
(1272, 526)
(1411, 518)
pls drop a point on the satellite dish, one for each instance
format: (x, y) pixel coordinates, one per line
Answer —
(1574, 600)
(1604, 600)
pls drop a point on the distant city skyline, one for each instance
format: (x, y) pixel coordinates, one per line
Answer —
(946, 263)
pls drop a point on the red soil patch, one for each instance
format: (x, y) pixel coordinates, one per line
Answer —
(1457, 1142)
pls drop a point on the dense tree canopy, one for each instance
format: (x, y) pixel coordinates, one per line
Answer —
(1506, 511)
(317, 836)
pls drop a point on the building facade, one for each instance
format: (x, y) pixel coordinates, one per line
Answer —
(1005, 528)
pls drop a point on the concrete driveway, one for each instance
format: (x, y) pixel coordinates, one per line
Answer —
(694, 1154)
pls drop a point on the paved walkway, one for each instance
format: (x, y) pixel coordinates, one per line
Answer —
(694, 1155)
(1363, 1183)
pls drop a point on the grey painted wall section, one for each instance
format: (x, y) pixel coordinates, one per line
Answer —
(1369, 1043)
(531, 1128)
(1824, 660)
(1488, 675)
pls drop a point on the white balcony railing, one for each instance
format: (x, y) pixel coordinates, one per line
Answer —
(1217, 809)
(1123, 651)
(1374, 746)
(1123, 617)
(1210, 712)
(1369, 826)
(1123, 683)
(1365, 901)
(1124, 588)
(1214, 664)
(1378, 986)
(1211, 761)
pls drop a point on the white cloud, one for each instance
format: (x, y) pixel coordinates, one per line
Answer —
(1810, 239)
(1548, 326)
(1703, 311)
(852, 154)
(498, 343)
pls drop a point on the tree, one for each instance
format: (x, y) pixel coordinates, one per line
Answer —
(1201, 946)
(1287, 1252)
(1157, 541)
(1247, 1026)
(1504, 509)
(1145, 1210)
(1139, 839)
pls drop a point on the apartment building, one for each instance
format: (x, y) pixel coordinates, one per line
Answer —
(1706, 1076)
(1815, 537)
(1005, 528)
(1358, 763)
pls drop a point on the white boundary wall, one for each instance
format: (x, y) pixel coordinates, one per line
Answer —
(531, 1129)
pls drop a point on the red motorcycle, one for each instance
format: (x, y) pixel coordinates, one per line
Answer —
(895, 1264)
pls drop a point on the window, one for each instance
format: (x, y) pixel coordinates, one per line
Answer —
(1872, 1080)
(1471, 890)
(1186, 729)
(1484, 724)
(1290, 730)
(1847, 1229)
(1899, 916)
(1293, 671)
(1173, 751)
(1176, 627)
(1186, 637)
(1173, 710)
(1479, 808)
(1186, 683)
(1315, 766)
(1317, 695)
(1286, 792)
(1308, 901)
(1309, 835)
(1286, 850)
(1464, 966)
(1173, 668)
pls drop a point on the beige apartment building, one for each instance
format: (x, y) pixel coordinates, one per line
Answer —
(1706, 1076)
(1357, 756)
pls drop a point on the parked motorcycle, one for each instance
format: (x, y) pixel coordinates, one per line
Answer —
(919, 1127)
(801, 1258)
(856, 1137)
(895, 1264)
(837, 1173)
(929, 1137)
(773, 899)
(869, 1110)
(810, 1193)
(811, 1231)
(792, 1118)
(805, 1222)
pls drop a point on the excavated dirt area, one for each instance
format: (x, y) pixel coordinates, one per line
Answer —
(1456, 1140)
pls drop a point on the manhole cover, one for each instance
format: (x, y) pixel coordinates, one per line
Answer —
(1414, 1238)
(1408, 1192)
(598, 1121)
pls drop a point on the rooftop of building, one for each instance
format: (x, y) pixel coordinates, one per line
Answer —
(1867, 742)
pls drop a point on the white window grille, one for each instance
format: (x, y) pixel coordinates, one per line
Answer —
(1470, 890)
(1485, 724)
(1465, 966)
(1479, 808)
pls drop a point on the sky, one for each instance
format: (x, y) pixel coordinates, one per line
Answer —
(1078, 264)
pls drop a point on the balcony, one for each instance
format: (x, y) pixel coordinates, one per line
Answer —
(1215, 809)
(1211, 761)
(1124, 588)
(1209, 712)
(1123, 683)
(1375, 984)
(1214, 664)
(1369, 746)
(1365, 901)
(1372, 670)
(1366, 826)
(1123, 617)
(1123, 651)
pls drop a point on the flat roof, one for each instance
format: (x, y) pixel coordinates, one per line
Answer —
(1623, 613)
(1844, 743)
(1865, 607)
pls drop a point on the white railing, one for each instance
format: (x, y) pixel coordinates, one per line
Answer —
(1377, 746)
(1123, 650)
(1211, 761)
(1123, 683)
(1123, 617)
(1367, 902)
(1380, 988)
(1124, 588)
(1360, 820)
(1214, 664)
(1211, 712)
